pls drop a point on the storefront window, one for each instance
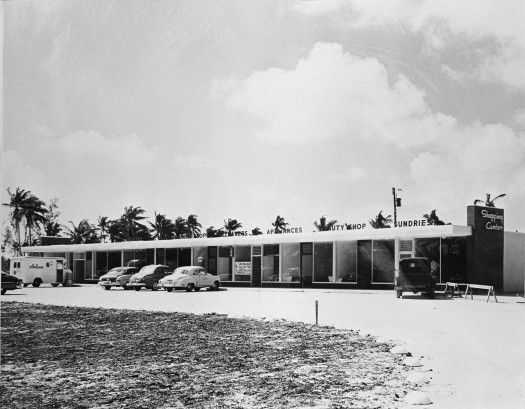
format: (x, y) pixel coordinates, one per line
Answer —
(270, 270)
(430, 248)
(243, 264)
(199, 257)
(159, 256)
(454, 260)
(291, 263)
(171, 258)
(383, 261)
(323, 262)
(184, 256)
(224, 263)
(101, 263)
(346, 262)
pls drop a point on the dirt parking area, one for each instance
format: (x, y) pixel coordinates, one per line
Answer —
(473, 349)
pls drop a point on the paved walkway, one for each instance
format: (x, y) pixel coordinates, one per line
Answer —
(476, 350)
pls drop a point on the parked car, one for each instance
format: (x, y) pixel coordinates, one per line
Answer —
(190, 278)
(10, 282)
(415, 275)
(117, 277)
(149, 276)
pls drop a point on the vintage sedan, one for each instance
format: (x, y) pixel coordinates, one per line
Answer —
(117, 277)
(10, 282)
(190, 278)
(149, 277)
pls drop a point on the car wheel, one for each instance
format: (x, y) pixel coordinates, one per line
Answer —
(3, 291)
(197, 288)
(37, 282)
(155, 286)
(169, 289)
(216, 286)
(137, 288)
(125, 286)
(107, 287)
(432, 294)
(190, 287)
(26, 284)
(399, 293)
(54, 284)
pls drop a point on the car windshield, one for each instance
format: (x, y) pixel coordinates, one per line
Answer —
(147, 270)
(117, 270)
(181, 270)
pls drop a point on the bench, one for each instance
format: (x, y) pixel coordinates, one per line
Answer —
(488, 288)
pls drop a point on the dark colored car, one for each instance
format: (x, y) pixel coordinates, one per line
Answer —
(117, 277)
(10, 282)
(149, 277)
(415, 275)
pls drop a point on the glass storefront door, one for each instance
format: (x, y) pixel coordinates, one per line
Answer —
(307, 264)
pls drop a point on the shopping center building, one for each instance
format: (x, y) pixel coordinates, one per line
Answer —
(480, 252)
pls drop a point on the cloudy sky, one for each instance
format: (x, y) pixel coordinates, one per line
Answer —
(253, 109)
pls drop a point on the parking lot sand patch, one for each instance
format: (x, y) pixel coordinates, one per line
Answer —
(76, 357)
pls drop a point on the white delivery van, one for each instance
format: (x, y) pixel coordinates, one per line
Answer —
(41, 270)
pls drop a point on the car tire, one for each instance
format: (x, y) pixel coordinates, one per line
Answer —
(107, 287)
(197, 288)
(37, 282)
(155, 286)
(169, 289)
(216, 286)
(190, 287)
(399, 293)
(137, 288)
(26, 284)
(54, 284)
(125, 286)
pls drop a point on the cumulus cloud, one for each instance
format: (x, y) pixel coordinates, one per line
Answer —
(329, 94)
(124, 150)
(493, 28)
(192, 161)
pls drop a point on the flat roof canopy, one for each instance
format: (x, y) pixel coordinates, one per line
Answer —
(402, 233)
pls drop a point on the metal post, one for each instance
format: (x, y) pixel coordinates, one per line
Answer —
(395, 206)
(316, 312)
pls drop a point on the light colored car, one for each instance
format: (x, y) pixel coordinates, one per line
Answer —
(149, 277)
(190, 278)
(117, 277)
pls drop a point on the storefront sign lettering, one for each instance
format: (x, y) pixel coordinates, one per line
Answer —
(243, 268)
(290, 230)
(410, 223)
(496, 220)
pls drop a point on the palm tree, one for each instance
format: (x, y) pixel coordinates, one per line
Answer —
(163, 228)
(52, 229)
(117, 230)
(181, 228)
(103, 225)
(194, 227)
(231, 225)
(213, 232)
(25, 207)
(279, 225)
(489, 202)
(433, 219)
(323, 225)
(131, 217)
(256, 231)
(84, 232)
(381, 222)
(35, 215)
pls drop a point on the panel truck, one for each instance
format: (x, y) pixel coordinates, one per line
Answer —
(41, 270)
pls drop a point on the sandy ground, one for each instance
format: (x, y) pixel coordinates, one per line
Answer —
(475, 349)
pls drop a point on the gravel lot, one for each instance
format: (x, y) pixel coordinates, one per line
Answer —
(474, 349)
(74, 357)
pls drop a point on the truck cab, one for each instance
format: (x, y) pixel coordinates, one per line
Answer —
(415, 275)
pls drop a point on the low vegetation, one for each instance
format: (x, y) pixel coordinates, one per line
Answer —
(71, 357)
